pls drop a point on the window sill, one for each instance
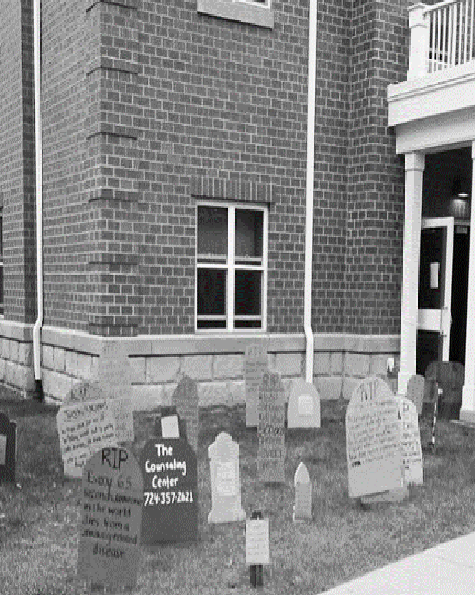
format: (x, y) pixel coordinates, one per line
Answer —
(238, 11)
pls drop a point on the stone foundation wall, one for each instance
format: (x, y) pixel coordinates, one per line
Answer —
(216, 363)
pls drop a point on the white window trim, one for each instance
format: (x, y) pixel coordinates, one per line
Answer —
(231, 268)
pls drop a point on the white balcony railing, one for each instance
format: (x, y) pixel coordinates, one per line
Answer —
(442, 36)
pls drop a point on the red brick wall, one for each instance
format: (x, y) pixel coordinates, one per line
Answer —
(17, 159)
(378, 57)
(149, 105)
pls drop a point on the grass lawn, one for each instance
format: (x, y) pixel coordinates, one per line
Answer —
(39, 518)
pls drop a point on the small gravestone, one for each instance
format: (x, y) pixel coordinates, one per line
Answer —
(255, 365)
(84, 427)
(303, 494)
(7, 449)
(257, 542)
(109, 534)
(120, 406)
(304, 406)
(225, 484)
(415, 391)
(114, 372)
(170, 512)
(169, 424)
(373, 440)
(271, 431)
(410, 442)
(185, 399)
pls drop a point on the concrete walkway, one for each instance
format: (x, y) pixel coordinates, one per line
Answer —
(447, 569)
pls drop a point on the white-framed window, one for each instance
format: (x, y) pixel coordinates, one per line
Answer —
(231, 267)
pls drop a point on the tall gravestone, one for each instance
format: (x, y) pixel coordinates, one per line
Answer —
(185, 399)
(109, 533)
(303, 494)
(304, 406)
(170, 473)
(255, 365)
(373, 440)
(411, 442)
(415, 391)
(225, 483)
(271, 430)
(7, 449)
(84, 428)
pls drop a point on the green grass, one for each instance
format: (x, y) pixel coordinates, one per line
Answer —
(39, 518)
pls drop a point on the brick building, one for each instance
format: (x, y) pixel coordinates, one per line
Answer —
(174, 190)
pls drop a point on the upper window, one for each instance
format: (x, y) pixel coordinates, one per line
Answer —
(231, 267)
(255, 12)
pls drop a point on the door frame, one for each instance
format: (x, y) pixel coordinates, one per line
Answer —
(439, 320)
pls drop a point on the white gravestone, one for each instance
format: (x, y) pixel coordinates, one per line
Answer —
(304, 406)
(415, 391)
(373, 440)
(84, 427)
(411, 442)
(255, 364)
(257, 542)
(225, 484)
(121, 407)
(303, 494)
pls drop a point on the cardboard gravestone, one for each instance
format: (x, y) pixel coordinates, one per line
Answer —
(373, 440)
(255, 365)
(410, 442)
(257, 541)
(7, 449)
(225, 483)
(304, 406)
(415, 391)
(271, 431)
(109, 533)
(114, 376)
(303, 494)
(185, 399)
(121, 407)
(169, 424)
(84, 428)
(170, 512)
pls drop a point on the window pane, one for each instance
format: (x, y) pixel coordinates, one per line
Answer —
(247, 297)
(249, 227)
(247, 324)
(211, 324)
(212, 230)
(211, 291)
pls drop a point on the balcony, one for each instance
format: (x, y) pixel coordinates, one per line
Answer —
(441, 77)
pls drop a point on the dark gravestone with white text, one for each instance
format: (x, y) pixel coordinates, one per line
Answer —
(7, 449)
(170, 473)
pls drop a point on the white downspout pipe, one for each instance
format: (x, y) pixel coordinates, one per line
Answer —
(312, 67)
(39, 197)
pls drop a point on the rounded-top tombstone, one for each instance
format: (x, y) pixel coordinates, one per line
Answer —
(373, 440)
(109, 533)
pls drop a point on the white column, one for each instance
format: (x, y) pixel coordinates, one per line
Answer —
(467, 412)
(419, 42)
(414, 163)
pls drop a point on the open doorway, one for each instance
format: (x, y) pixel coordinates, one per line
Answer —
(444, 257)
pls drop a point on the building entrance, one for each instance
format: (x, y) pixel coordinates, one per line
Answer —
(443, 288)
